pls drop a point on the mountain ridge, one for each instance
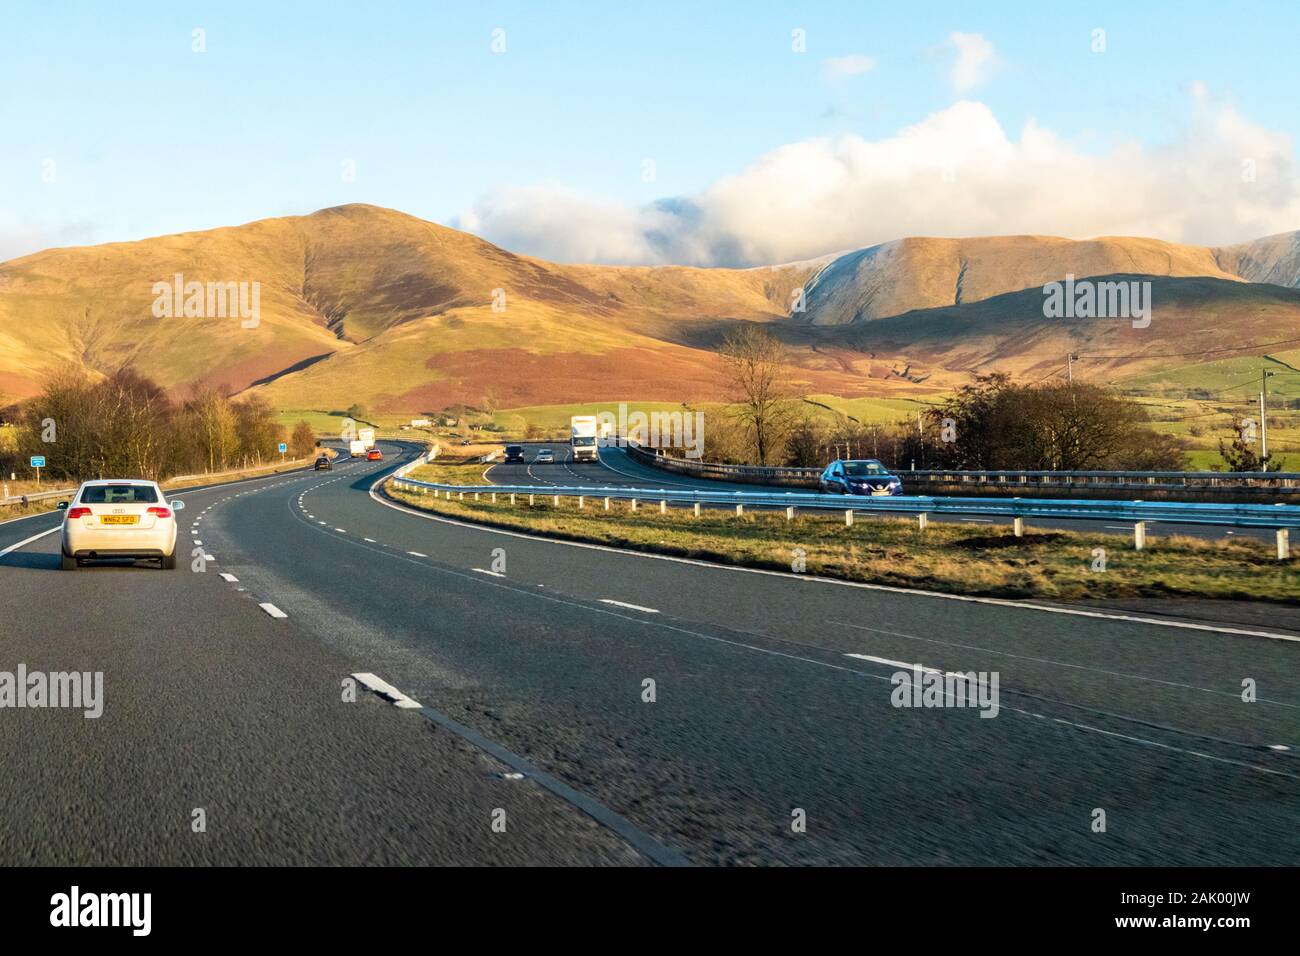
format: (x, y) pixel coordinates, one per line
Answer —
(367, 302)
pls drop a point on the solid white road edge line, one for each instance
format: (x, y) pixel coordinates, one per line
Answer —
(815, 579)
(495, 574)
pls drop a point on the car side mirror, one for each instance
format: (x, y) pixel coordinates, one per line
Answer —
(178, 506)
(63, 506)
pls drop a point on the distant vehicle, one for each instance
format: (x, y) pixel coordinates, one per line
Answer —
(514, 452)
(545, 455)
(420, 423)
(323, 463)
(356, 448)
(864, 476)
(119, 519)
(466, 441)
(367, 437)
(582, 437)
(374, 455)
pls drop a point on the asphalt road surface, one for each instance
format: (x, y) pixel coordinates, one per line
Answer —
(606, 707)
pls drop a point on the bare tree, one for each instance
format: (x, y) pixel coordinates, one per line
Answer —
(757, 361)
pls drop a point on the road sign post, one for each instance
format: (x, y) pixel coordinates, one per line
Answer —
(283, 449)
(38, 462)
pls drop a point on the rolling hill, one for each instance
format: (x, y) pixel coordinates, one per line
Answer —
(363, 304)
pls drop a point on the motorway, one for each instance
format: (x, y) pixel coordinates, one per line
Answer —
(771, 704)
(618, 468)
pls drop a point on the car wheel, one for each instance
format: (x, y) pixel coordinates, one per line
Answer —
(67, 563)
(168, 562)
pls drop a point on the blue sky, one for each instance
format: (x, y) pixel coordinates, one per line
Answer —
(115, 129)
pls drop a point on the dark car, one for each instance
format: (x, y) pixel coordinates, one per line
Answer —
(323, 463)
(864, 476)
(514, 452)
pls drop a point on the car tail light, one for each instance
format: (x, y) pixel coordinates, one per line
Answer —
(161, 512)
(78, 512)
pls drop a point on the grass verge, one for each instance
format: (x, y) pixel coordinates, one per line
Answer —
(956, 559)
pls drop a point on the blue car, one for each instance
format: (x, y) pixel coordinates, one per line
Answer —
(864, 476)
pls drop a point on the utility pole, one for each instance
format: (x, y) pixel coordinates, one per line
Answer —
(1263, 420)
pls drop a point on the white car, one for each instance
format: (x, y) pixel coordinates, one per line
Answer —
(119, 519)
(545, 455)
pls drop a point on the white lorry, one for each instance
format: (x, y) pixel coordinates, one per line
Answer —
(357, 448)
(367, 436)
(582, 437)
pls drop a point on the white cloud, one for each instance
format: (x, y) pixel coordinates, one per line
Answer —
(975, 58)
(836, 69)
(955, 173)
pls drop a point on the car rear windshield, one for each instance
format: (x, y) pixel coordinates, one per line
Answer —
(119, 495)
(859, 468)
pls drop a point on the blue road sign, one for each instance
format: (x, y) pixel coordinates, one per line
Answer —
(38, 461)
(283, 448)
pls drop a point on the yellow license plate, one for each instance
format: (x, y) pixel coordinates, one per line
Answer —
(117, 519)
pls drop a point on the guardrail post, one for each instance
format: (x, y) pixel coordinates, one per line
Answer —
(1018, 526)
(696, 509)
(1139, 535)
(512, 497)
(663, 507)
(1283, 544)
(462, 496)
(556, 499)
(633, 503)
(789, 513)
(530, 501)
(740, 510)
(922, 521)
(848, 518)
(606, 504)
(580, 502)
(494, 497)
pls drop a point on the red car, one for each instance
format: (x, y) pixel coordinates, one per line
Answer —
(375, 455)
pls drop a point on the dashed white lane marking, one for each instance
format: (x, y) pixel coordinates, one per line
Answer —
(386, 690)
(340, 531)
(229, 578)
(1051, 661)
(630, 607)
(417, 554)
(208, 557)
(911, 667)
(371, 540)
(893, 663)
(495, 574)
(320, 522)
(271, 609)
(27, 541)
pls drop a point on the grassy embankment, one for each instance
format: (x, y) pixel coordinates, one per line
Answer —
(50, 504)
(946, 557)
